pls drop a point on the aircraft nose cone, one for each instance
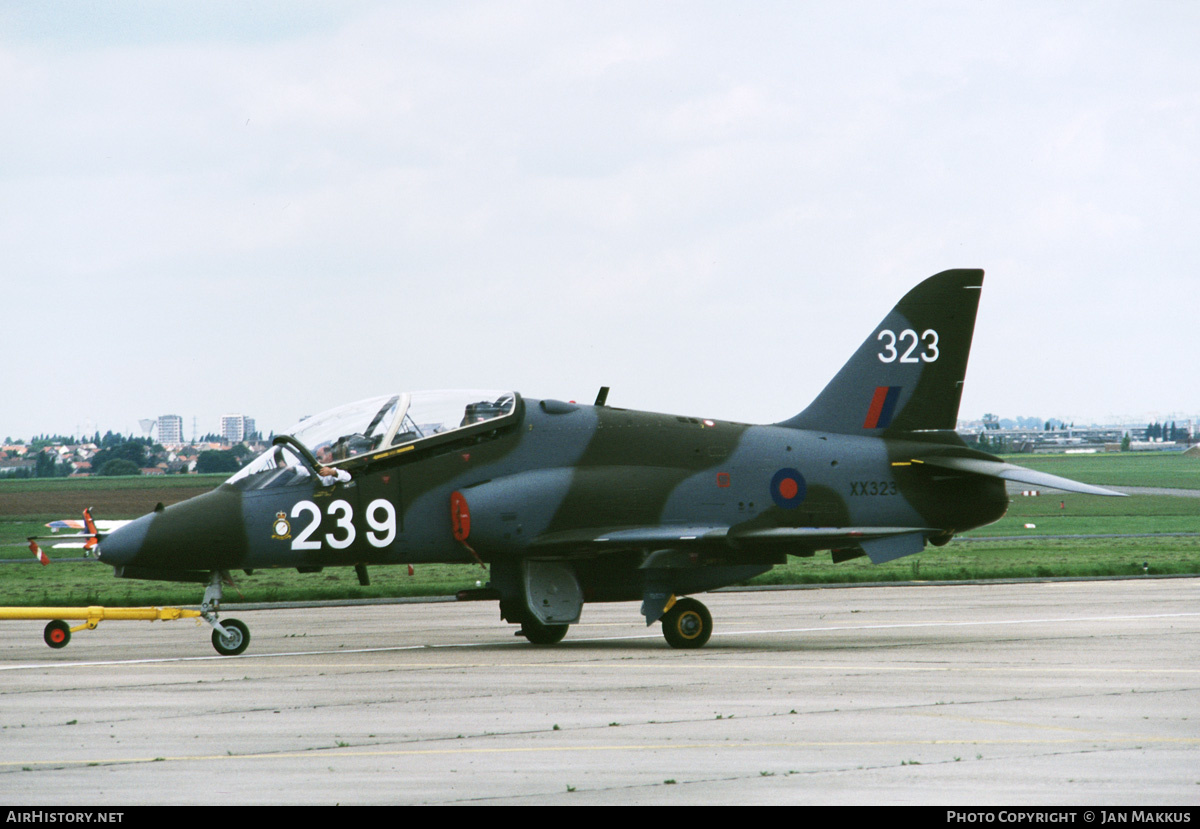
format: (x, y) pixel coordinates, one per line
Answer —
(202, 533)
(123, 544)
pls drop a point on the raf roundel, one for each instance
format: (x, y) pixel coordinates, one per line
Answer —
(788, 488)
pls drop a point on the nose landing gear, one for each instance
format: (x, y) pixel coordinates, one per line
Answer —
(230, 637)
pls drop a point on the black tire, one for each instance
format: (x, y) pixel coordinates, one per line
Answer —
(688, 624)
(57, 634)
(237, 640)
(539, 634)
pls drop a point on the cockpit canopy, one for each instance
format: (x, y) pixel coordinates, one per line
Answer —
(382, 423)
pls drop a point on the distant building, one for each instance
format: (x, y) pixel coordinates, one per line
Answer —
(236, 428)
(170, 430)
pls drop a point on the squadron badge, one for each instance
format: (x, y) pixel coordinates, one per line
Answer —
(283, 530)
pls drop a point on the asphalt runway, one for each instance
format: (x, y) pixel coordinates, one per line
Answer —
(1064, 693)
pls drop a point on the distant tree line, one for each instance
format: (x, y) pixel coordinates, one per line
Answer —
(1165, 432)
(125, 456)
(222, 460)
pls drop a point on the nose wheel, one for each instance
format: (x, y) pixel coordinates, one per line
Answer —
(235, 639)
(688, 624)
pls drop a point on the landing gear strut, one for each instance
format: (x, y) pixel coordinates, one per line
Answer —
(688, 624)
(230, 637)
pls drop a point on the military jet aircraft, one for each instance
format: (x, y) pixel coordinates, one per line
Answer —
(568, 504)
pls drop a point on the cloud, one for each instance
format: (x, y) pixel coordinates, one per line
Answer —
(707, 205)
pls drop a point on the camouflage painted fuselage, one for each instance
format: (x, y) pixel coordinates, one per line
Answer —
(584, 483)
(569, 503)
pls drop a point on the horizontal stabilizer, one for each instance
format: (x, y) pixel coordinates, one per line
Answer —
(1016, 474)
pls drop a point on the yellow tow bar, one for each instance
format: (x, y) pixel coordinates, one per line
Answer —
(58, 632)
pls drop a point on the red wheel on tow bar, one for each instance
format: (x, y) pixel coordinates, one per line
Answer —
(57, 634)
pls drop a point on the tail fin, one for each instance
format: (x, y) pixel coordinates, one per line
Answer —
(908, 375)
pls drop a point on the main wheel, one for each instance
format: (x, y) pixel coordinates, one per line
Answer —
(237, 640)
(540, 634)
(57, 634)
(688, 624)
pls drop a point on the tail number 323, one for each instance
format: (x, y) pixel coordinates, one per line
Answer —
(903, 346)
(380, 517)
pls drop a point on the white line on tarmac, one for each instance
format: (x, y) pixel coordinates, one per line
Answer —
(775, 631)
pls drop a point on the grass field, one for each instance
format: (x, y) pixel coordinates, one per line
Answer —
(1163, 469)
(1014, 551)
(49, 498)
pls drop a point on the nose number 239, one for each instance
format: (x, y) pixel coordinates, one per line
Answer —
(381, 524)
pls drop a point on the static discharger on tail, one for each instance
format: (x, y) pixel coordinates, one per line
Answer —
(568, 504)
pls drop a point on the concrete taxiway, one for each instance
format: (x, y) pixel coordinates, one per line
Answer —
(1084, 693)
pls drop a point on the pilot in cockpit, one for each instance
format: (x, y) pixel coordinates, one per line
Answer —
(481, 411)
(327, 474)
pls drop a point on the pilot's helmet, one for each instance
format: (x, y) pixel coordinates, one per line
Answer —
(479, 412)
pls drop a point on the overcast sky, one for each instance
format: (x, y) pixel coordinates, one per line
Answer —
(274, 208)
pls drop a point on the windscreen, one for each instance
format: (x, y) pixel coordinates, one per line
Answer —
(379, 423)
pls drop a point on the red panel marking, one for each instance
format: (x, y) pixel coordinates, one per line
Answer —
(723, 479)
(460, 516)
(876, 409)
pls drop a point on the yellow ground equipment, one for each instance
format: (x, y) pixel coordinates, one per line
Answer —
(58, 633)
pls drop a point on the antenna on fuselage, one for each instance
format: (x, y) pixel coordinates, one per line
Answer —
(602, 396)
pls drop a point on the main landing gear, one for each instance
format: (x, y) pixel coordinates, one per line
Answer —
(541, 634)
(687, 624)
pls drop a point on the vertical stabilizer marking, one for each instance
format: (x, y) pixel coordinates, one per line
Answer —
(883, 407)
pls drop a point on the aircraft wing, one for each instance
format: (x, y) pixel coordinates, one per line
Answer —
(1017, 474)
(78, 524)
(81, 544)
(879, 543)
(664, 535)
